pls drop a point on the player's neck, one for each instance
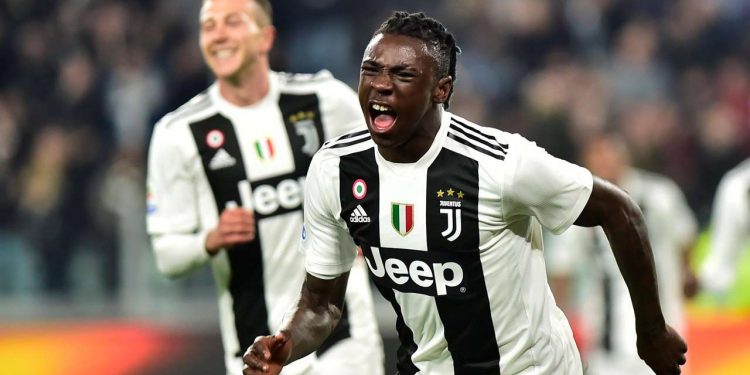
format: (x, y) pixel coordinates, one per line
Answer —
(418, 145)
(248, 89)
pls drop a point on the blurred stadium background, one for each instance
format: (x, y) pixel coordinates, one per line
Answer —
(82, 82)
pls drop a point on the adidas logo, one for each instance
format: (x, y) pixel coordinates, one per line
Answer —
(221, 159)
(359, 215)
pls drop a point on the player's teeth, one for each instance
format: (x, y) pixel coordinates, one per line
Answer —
(379, 107)
(224, 53)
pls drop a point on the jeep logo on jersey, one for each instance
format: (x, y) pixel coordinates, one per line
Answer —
(304, 126)
(451, 208)
(402, 217)
(424, 276)
(267, 199)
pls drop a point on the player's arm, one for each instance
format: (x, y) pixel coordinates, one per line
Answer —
(329, 254)
(622, 220)
(684, 226)
(689, 278)
(729, 235)
(317, 313)
(172, 215)
(177, 238)
(179, 251)
(236, 226)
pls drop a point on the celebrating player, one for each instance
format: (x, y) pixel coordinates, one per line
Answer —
(454, 236)
(226, 176)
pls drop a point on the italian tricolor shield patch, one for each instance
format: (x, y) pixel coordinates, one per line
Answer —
(402, 217)
(264, 149)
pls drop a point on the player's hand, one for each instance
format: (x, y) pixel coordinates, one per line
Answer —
(236, 226)
(268, 354)
(690, 284)
(663, 350)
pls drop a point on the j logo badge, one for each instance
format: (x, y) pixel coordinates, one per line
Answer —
(450, 206)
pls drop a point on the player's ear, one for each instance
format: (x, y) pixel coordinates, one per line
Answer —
(442, 90)
(269, 35)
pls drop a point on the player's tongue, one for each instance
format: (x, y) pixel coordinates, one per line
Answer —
(383, 122)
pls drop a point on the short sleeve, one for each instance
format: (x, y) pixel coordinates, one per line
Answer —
(170, 186)
(328, 248)
(540, 185)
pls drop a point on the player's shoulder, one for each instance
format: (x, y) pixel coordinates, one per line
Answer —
(485, 140)
(740, 173)
(353, 141)
(194, 109)
(652, 187)
(323, 80)
(653, 180)
(736, 182)
(350, 143)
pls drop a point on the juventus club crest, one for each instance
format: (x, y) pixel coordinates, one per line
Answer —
(304, 126)
(450, 206)
(402, 217)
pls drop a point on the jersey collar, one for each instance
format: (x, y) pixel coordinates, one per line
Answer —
(429, 156)
(232, 110)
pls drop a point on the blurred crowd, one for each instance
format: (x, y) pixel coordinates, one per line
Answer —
(82, 82)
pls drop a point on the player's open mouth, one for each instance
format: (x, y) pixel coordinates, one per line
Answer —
(223, 53)
(382, 117)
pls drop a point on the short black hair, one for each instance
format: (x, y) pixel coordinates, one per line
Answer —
(431, 32)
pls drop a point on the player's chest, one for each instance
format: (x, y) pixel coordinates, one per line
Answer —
(267, 148)
(261, 144)
(435, 207)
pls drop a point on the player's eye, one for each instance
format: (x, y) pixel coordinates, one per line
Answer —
(208, 26)
(369, 70)
(234, 20)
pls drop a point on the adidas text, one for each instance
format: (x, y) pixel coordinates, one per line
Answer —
(359, 215)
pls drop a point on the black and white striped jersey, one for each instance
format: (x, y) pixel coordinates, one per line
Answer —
(453, 241)
(210, 154)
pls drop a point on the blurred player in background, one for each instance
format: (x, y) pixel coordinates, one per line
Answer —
(730, 231)
(457, 250)
(226, 176)
(584, 275)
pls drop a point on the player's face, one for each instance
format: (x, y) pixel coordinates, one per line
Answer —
(605, 158)
(397, 87)
(234, 35)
